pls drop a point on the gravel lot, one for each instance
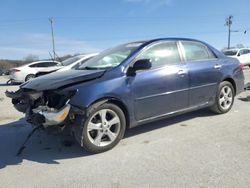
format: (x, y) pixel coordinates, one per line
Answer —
(197, 149)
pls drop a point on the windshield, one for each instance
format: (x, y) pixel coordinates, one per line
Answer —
(230, 52)
(112, 57)
(71, 60)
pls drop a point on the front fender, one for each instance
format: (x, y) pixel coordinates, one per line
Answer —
(90, 92)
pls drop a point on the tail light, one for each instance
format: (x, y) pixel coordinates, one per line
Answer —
(241, 66)
(15, 70)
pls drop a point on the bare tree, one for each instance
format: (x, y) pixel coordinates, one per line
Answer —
(31, 57)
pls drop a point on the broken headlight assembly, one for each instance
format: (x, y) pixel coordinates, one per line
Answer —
(45, 108)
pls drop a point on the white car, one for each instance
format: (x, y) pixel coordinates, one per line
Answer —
(75, 62)
(242, 54)
(26, 72)
(70, 63)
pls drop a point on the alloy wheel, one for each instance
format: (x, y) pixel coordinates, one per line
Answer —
(103, 127)
(226, 97)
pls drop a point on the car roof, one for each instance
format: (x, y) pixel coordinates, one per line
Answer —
(231, 49)
(148, 42)
(87, 54)
(235, 49)
(167, 39)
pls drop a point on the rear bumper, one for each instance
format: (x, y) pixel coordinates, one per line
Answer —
(240, 87)
(16, 77)
(239, 81)
(247, 86)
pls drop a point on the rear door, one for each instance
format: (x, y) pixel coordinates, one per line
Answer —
(162, 89)
(204, 72)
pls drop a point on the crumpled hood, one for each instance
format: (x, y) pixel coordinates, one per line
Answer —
(58, 79)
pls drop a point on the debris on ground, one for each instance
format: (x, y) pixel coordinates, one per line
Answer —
(247, 86)
(26, 140)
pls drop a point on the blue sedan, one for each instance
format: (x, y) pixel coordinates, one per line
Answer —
(129, 85)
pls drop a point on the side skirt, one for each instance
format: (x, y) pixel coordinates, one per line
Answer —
(171, 114)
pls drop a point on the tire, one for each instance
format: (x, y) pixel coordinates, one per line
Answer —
(103, 132)
(224, 98)
(29, 76)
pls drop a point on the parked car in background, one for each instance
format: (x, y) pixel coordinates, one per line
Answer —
(76, 61)
(129, 85)
(5, 72)
(70, 63)
(242, 54)
(26, 72)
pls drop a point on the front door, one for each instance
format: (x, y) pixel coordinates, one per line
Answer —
(163, 89)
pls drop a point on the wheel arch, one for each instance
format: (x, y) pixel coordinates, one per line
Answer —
(117, 102)
(25, 79)
(231, 80)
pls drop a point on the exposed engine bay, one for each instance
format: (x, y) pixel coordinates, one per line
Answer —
(44, 108)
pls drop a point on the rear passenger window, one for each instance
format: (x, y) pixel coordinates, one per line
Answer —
(44, 64)
(195, 51)
(244, 51)
(165, 53)
(49, 64)
(38, 65)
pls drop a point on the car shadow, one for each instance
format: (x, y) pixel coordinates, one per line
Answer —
(49, 148)
(42, 147)
(145, 128)
(245, 99)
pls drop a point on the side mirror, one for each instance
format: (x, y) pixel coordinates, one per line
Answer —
(238, 54)
(141, 64)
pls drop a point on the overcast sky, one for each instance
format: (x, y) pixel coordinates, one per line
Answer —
(83, 26)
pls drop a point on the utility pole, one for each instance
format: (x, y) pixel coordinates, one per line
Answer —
(229, 22)
(51, 20)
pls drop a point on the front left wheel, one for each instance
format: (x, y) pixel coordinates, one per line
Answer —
(104, 128)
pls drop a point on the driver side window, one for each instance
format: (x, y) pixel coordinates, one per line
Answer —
(161, 54)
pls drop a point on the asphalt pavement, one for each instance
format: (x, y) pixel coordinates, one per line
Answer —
(198, 149)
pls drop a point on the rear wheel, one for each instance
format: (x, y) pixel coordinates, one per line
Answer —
(104, 128)
(224, 98)
(29, 76)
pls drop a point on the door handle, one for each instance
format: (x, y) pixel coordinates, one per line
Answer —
(181, 73)
(217, 66)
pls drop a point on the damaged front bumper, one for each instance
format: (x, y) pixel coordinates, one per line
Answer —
(46, 108)
(43, 115)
